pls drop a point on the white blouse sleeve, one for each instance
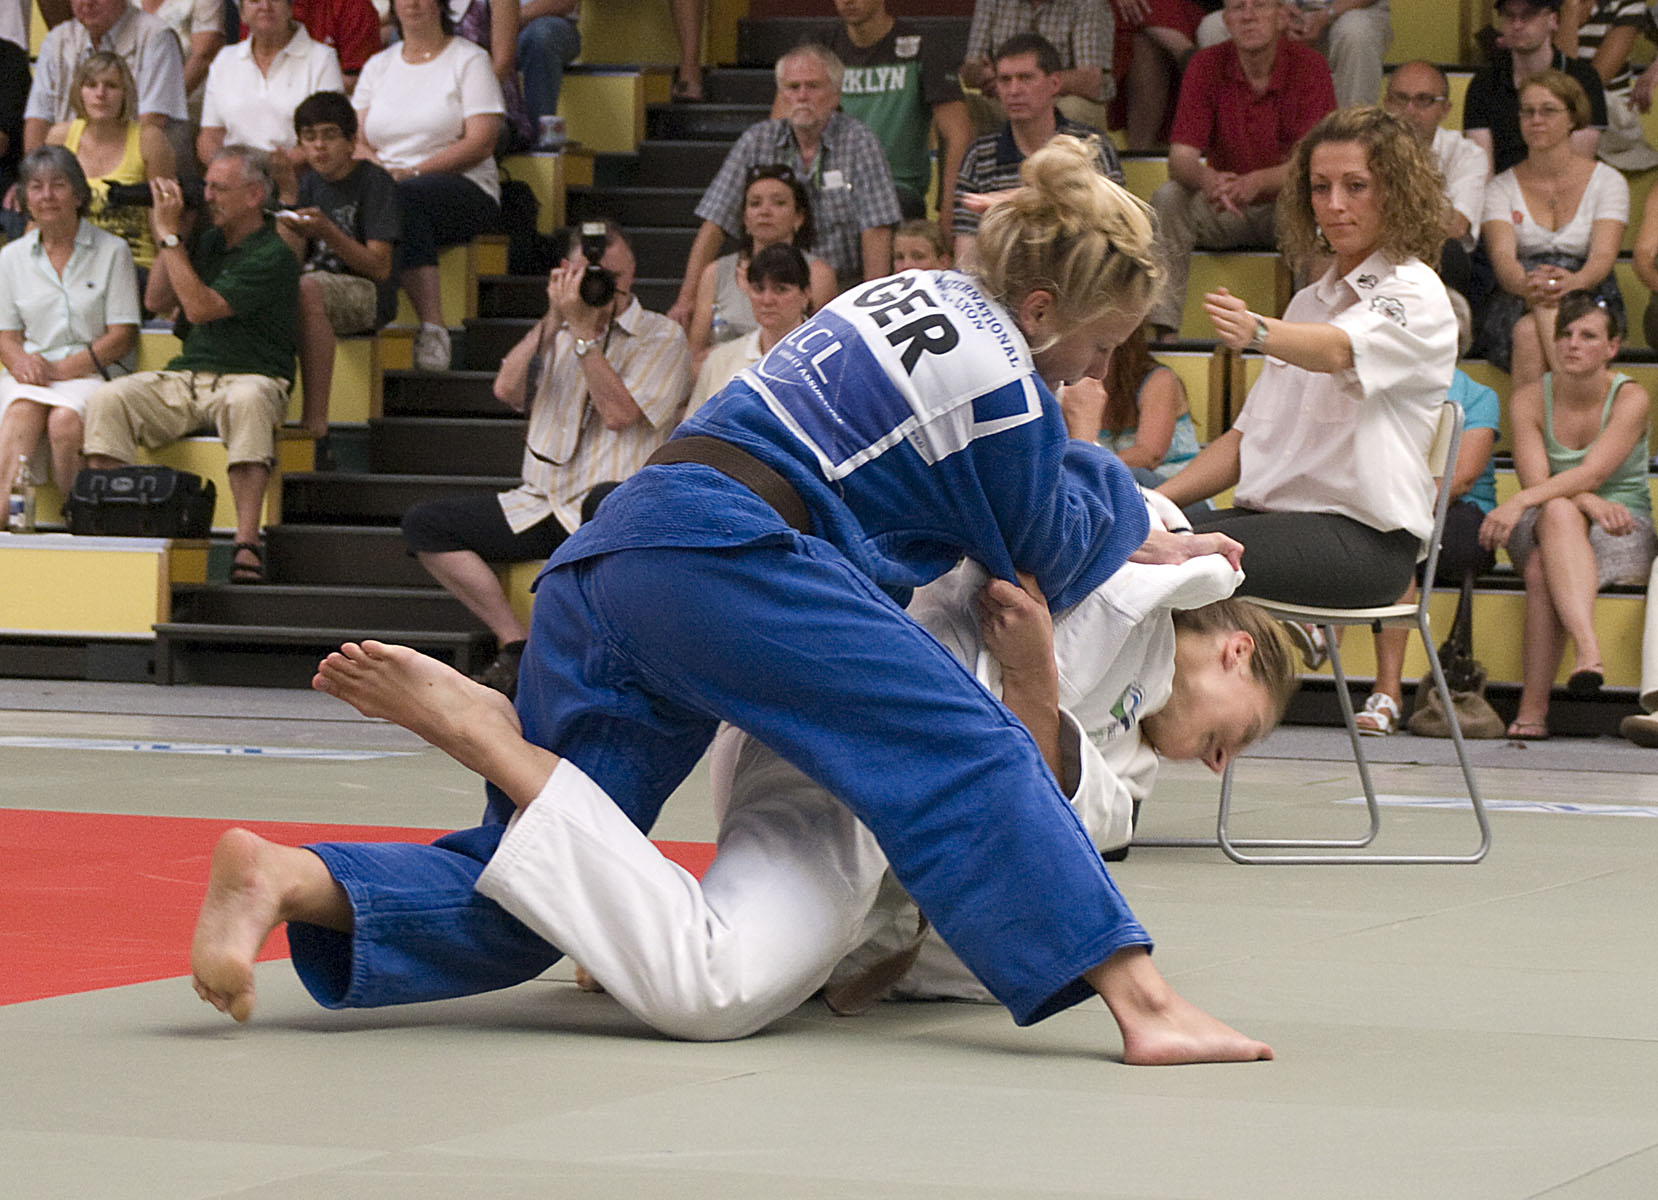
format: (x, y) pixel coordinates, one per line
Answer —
(1404, 335)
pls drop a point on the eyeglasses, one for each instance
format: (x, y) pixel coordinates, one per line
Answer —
(1419, 100)
(1546, 111)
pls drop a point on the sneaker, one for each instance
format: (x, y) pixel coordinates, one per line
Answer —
(502, 674)
(1642, 729)
(1309, 640)
(431, 348)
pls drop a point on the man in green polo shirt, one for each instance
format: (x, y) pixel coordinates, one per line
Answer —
(237, 292)
(900, 83)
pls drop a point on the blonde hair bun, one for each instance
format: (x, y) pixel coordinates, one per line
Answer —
(1070, 231)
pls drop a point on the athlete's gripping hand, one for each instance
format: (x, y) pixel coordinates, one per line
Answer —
(1162, 546)
(1017, 627)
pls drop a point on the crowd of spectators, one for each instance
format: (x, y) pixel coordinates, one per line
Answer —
(373, 137)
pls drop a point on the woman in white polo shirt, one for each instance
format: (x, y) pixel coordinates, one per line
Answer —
(68, 312)
(1333, 499)
(254, 86)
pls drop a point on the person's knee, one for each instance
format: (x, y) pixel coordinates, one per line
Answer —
(64, 426)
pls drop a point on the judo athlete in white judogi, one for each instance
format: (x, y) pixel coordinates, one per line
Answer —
(799, 894)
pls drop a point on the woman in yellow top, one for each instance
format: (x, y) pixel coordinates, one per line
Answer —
(113, 147)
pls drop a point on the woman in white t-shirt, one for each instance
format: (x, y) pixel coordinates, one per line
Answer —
(429, 110)
(254, 86)
(1329, 455)
(1552, 224)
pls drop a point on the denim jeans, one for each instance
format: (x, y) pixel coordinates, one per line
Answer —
(545, 47)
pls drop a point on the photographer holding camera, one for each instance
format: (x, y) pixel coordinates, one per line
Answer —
(603, 382)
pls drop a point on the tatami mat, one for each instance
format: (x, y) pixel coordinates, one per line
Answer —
(1463, 1032)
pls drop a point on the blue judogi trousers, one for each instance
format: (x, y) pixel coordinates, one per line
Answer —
(636, 656)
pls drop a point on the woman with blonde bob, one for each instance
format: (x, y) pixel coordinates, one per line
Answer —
(1333, 499)
(114, 148)
(751, 575)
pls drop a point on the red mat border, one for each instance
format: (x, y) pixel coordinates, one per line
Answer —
(100, 900)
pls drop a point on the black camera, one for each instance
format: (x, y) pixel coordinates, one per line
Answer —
(125, 195)
(598, 284)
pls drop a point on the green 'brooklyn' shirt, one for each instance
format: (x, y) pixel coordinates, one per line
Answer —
(892, 87)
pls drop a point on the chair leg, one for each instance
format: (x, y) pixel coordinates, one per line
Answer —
(1236, 848)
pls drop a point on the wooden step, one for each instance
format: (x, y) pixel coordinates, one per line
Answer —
(276, 656)
(703, 122)
(446, 446)
(760, 43)
(344, 499)
(635, 206)
(341, 555)
(441, 394)
(314, 605)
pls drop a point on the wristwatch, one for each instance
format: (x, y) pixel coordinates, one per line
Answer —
(583, 345)
(169, 241)
(1259, 341)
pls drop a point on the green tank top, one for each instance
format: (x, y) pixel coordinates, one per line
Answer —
(1627, 484)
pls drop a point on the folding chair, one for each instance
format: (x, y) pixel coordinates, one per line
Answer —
(1441, 462)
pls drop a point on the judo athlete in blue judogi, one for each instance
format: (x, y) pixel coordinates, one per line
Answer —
(908, 425)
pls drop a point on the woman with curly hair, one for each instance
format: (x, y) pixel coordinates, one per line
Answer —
(1329, 455)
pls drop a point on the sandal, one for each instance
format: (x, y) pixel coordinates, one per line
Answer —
(1380, 716)
(1528, 731)
(254, 572)
(1309, 642)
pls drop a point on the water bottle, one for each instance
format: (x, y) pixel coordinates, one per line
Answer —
(23, 497)
(721, 331)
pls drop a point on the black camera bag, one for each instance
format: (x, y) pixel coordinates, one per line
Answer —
(140, 501)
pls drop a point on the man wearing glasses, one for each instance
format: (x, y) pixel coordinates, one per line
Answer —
(841, 161)
(1491, 110)
(1419, 94)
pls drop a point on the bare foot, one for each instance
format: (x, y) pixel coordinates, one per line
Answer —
(243, 904)
(1159, 1026)
(475, 725)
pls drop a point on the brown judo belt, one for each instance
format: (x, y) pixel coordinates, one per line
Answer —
(740, 465)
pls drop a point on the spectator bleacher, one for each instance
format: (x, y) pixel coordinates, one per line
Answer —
(336, 563)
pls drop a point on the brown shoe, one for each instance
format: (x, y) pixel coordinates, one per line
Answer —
(1642, 729)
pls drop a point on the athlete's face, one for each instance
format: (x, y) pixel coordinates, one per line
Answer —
(1082, 352)
(1217, 707)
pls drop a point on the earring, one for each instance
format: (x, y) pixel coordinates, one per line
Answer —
(1323, 242)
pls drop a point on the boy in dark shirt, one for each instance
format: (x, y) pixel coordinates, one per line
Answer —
(343, 222)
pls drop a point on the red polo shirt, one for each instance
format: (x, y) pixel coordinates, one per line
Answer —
(1237, 130)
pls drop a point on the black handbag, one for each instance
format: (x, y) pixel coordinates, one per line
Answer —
(140, 501)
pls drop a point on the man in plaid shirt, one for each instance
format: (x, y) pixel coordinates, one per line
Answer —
(1083, 31)
(854, 203)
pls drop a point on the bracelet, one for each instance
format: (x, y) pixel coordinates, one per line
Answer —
(96, 365)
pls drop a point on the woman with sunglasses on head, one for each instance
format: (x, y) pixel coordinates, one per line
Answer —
(1583, 515)
(777, 211)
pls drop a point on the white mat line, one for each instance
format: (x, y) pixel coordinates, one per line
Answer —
(1555, 807)
(311, 753)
